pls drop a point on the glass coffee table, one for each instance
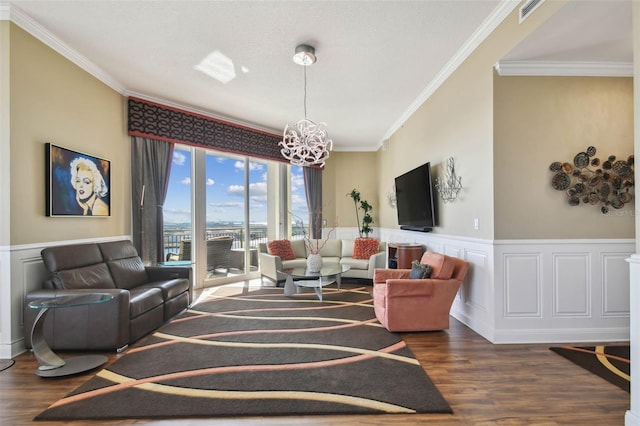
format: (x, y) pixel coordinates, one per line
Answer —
(298, 278)
(51, 365)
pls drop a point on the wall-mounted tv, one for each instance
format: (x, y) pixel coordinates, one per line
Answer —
(414, 199)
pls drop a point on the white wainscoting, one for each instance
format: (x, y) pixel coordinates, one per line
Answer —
(554, 291)
(516, 291)
(26, 273)
(538, 291)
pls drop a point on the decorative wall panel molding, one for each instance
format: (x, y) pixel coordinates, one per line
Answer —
(571, 285)
(615, 289)
(522, 291)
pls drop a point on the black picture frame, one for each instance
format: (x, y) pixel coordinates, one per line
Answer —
(77, 184)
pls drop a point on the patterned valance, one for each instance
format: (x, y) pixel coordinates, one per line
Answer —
(155, 121)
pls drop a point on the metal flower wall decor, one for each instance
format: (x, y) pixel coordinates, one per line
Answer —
(589, 181)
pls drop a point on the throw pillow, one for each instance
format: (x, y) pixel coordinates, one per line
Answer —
(364, 248)
(282, 249)
(419, 271)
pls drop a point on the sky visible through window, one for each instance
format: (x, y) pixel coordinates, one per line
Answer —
(225, 191)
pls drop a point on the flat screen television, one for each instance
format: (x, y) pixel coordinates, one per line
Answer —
(414, 199)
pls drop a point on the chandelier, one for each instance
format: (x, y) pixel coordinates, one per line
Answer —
(305, 143)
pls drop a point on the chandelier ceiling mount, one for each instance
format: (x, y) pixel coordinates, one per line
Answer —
(305, 143)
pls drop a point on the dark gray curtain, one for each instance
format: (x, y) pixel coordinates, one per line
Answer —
(313, 189)
(150, 171)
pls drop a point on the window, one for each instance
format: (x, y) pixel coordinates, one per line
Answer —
(216, 195)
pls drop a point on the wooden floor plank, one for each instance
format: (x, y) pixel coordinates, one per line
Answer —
(485, 384)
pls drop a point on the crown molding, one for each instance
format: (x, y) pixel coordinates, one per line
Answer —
(480, 34)
(4, 11)
(565, 68)
(24, 21)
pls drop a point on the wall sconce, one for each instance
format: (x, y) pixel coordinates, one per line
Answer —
(449, 187)
(391, 198)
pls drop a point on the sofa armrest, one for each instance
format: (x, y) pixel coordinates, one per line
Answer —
(381, 275)
(377, 260)
(270, 265)
(406, 287)
(102, 326)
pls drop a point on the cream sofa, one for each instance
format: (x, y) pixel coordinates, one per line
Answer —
(334, 251)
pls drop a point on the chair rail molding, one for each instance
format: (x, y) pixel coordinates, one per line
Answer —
(538, 291)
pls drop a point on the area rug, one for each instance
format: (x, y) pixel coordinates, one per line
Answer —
(243, 351)
(612, 363)
(6, 363)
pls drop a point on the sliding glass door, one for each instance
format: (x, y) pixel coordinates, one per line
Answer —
(220, 207)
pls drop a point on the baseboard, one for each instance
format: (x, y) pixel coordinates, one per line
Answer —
(12, 350)
(567, 335)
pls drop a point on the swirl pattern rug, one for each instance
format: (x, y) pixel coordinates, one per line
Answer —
(612, 363)
(243, 351)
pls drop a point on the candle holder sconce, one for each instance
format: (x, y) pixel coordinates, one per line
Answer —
(449, 187)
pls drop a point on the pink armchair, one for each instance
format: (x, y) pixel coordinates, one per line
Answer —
(404, 304)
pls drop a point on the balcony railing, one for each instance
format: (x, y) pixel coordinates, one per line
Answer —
(258, 234)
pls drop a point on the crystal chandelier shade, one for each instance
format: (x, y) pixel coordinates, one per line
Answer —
(305, 143)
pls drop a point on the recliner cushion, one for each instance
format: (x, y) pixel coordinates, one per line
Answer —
(71, 256)
(128, 273)
(144, 299)
(89, 277)
(124, 263)
(114, 250)
(170, 288)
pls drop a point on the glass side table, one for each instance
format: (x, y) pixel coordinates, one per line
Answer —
(51, 365)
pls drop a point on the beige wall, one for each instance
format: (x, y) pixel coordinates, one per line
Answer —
(457, 121)
(5, 134)
(343, 172)
(53, 100)
(539, 120)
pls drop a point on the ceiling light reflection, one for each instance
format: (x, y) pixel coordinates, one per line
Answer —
(218, 66)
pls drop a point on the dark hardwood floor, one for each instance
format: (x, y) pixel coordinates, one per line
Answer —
(485, 384)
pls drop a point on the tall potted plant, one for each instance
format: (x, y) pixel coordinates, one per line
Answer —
(364, 227)
(364, 246)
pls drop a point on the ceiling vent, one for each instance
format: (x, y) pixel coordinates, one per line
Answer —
(528, 8)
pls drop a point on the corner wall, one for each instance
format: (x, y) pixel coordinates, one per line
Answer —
(539, 120)
(526, 283)
(53, 100)
(46, 98)
(343, 172)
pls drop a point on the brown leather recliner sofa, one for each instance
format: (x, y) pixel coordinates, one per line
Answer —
(144, 297)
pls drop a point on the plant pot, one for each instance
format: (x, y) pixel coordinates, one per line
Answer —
(314, 263)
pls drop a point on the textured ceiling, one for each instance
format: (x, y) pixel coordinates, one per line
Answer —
(377, 60)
